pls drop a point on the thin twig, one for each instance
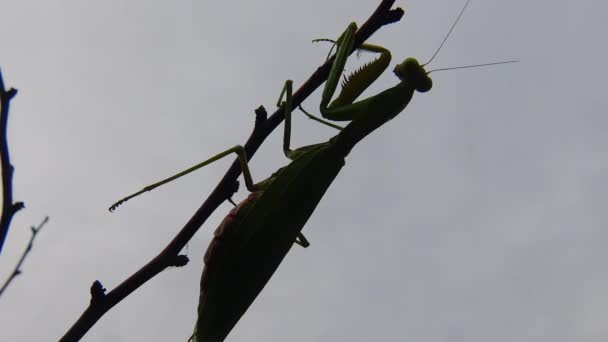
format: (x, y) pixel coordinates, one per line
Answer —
(8, 207)
(383, 15)
(17, 271)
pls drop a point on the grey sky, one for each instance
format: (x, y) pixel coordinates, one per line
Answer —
(476, 215)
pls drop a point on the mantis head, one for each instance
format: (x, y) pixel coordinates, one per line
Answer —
(412, 72)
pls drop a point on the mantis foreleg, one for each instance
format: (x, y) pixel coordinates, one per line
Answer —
(343, 108)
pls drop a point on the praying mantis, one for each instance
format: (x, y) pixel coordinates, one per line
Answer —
(256, 235)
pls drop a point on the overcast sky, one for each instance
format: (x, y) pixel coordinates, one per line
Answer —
(476, 215)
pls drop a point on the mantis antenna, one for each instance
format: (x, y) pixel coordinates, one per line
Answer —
(446, 38)
(473, 66)
(432, 57)
(449, 32)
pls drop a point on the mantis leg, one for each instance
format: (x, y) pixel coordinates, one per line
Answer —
(315, 118)
(238, 149)
(288, 104)
(345, 44)
(326, 40)
(343, 108)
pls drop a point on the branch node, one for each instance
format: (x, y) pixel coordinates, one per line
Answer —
(393, 15)
(11, 93)
(17, 206)
(98, 293)
(180, 261)
(260, 116)
(234, 189)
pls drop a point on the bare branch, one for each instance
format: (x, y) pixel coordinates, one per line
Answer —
(8, 207)
(383, 15)
(17, 271)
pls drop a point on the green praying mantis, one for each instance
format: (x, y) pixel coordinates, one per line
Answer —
(256, 235)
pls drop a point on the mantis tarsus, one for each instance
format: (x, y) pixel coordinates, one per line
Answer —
(253, 239)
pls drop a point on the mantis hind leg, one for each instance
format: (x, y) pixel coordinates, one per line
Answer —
(238, 149)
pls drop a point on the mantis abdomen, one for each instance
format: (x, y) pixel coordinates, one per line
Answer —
(253, 239)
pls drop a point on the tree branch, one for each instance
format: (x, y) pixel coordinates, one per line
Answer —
(17, 271)
(103, 302)
(8, 207)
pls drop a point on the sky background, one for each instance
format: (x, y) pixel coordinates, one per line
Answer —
(478, 214)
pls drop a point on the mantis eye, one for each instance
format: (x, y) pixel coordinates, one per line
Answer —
(425, 84)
